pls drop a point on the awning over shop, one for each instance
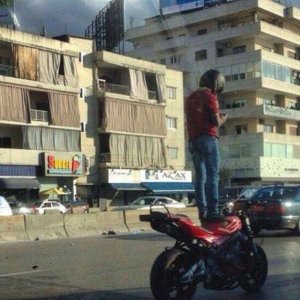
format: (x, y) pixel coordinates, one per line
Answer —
(169, 187)
(19, 183)
(128, 187)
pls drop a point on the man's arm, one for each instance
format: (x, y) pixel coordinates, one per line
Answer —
(220, 119)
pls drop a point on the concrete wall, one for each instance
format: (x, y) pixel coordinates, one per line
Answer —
(58, 226)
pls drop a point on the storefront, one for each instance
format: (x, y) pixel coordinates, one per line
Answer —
(124, 185)
(59, 172)
(19, 182)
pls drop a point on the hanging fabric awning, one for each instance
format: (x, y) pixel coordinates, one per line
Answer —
(128, 187)
(169, 187)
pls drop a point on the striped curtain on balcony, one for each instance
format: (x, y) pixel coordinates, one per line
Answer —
(70, 70)
(134, 117)
(25, 62)
(14, 103)
(138, 85)
(48, 67)
(137, 151)
(44, 138)
(161, 87)
(64, 109)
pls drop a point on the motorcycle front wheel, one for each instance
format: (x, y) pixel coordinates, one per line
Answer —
(165, 276)
(254, 278)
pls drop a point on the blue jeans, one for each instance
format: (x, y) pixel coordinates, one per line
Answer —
(206, 158)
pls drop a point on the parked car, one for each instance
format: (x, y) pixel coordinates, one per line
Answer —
(143, 203)
(5, 209)
(42, 207)
(273, 207)
(19, 208)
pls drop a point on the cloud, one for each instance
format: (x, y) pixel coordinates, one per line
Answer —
(73, 16)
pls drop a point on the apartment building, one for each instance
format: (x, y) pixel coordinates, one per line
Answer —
(99, 124)
(256, 44)
(140, 128)
(40, 121)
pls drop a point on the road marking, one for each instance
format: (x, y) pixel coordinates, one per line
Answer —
(19, 273)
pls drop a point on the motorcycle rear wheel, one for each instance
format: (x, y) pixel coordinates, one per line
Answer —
(254, 279)
(165, 276)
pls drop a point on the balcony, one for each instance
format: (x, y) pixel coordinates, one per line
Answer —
(276, 112)
(106, 87)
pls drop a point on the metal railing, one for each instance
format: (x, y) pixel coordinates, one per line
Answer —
(121, 89)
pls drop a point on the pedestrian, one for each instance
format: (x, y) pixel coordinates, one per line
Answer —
(77, 198)
(203, 118)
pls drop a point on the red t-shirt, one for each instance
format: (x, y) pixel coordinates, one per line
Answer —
(200, 109)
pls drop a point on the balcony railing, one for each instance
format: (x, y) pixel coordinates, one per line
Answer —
(39, 115)
(6, 70)
(264, 110)
(120, 89)
(113, 88)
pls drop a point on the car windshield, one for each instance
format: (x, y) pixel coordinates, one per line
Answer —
(273, 193)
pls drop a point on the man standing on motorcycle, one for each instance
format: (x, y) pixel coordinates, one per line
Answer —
(203, 119)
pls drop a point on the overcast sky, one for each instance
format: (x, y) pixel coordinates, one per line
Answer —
(74, 16)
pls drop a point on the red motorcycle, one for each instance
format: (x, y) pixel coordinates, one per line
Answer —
(220, 255)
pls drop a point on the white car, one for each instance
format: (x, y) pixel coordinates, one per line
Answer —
(5, 209)
(143, 203)
(42, 207)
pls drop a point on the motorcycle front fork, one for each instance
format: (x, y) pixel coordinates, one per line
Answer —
(195, 271)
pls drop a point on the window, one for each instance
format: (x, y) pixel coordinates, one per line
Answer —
(239, 103)
(239, 49)
(268, 101)
(241, 129)
(291, 54)
(173, 152)
(61, 66)
(171, 123)
(201, 55)
(5, 142)
(202, 31)
(163, 61)
(175, 59)
(268, 128)
(171, 92)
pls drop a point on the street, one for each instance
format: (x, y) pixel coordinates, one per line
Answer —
(117, 267)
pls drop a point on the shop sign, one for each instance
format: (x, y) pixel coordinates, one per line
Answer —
(166, 175)
(64, 165)
(120, 175)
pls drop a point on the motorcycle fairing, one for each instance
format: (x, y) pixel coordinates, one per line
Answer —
(214, 232)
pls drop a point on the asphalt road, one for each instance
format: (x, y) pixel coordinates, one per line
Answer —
(117, 267)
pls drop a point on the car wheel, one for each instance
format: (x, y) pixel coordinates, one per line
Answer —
(297, 228)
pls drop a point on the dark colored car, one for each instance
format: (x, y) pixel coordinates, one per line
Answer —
(273, 207)
(229, 195)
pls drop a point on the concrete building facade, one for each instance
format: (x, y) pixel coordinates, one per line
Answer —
(256, 44)
(97, 124)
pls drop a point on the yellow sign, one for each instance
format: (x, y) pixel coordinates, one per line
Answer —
(7, 3)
